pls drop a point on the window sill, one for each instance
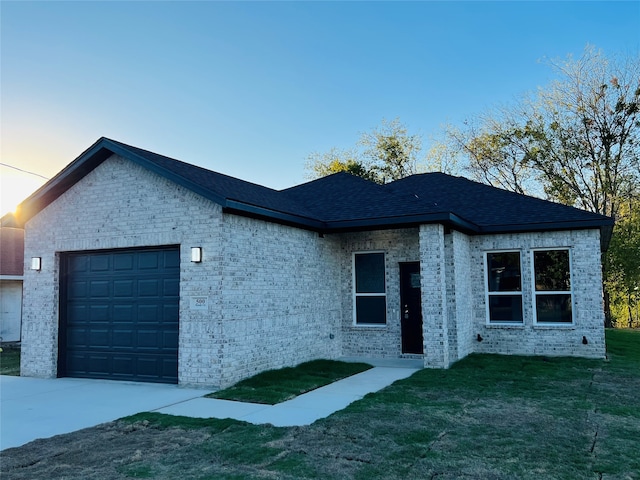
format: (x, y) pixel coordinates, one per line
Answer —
(513, 326)
(554, 326)
(369, 325)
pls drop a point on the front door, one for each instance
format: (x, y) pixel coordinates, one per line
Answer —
(411, 308)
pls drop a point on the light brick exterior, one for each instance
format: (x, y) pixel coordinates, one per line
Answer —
(398, 246)
(280, 302)
(278, 295)
(531, 339)
(435, 316)
(459, 297)
(272, 291)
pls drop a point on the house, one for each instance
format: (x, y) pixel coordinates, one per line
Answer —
(145, 268)
(11, 270)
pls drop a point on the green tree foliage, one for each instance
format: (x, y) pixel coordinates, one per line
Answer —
(623, 259)
(334, 161)
(385, 154)
(576, 142)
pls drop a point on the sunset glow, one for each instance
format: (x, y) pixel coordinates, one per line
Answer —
(15, 186)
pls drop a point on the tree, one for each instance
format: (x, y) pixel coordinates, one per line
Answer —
(623, 261)
(578, 138)
(577, 141)
(386, 154)
(495, 152)
(335, 161)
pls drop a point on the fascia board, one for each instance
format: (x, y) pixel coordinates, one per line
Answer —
(254, 211)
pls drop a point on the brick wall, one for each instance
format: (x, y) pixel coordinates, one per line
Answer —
(529, 338)
(459, 295)
(399, 246)
(120, 205)
(280, 297)
(272, 291)
(435, 316)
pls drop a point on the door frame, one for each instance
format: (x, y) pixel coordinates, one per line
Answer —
(408, 268)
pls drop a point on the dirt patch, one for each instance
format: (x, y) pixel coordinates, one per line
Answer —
(112, 450)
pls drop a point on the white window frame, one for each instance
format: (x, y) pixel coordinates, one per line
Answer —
(535, 293)
(356, 295)
(488, 294)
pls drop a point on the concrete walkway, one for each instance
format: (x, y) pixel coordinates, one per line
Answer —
(302, 410)
(32, 408)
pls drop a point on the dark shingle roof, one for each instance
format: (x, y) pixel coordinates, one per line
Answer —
(343, 202)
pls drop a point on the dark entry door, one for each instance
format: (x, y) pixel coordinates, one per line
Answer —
(411, 308)
(119, 314)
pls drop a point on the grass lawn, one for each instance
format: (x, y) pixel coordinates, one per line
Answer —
(275, 386)
(10, 361)
(488, 417)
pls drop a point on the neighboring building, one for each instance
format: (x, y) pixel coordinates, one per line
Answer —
(431, 266)
(11, 269)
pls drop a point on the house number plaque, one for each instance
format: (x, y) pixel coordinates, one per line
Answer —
(199, 303)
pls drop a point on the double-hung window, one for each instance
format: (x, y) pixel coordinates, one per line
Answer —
(552, 294)
(370, 297)
(504, 287)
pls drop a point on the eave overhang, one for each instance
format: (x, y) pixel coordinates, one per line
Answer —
(104, 148)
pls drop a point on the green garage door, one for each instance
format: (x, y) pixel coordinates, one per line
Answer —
(119, 314)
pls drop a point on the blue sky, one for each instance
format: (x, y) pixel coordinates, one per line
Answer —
(250, 89)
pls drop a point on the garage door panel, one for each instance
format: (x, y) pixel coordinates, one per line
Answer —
(99, 337)
(124, 288)
(169, 339)
(170, 313)
(97, 363)
(170, 287)
(123, 313)
(122, 339)
(147, 366)
(99, 289)
(77, 336)
(149, 260)
(172, 259)
(120, 314)
(77, 313)
(166, 367)
(99, 313)
(123, 365)
(148, 287)
(148, 339)
(79, 263)
(77, 289)
(149, 314)
(123, 261)
(100, 262)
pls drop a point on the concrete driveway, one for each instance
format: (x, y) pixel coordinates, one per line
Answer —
(32, 408)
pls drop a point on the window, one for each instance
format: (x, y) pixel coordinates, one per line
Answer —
(504, 287)
(370, 298)
(552, 286)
